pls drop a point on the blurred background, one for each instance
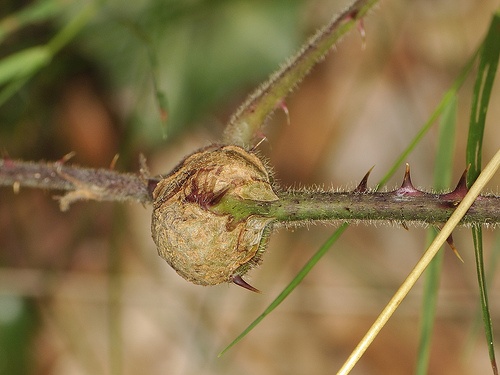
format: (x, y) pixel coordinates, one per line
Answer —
(84, 292)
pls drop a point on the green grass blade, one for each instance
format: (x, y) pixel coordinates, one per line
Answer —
(442, 179)
(290, 287)
(488, 65)
(72, 28)
(422, 264)
(20, 67)
(477, 236)
(493, 263)
(38, 12)
(160, 94)
(11, 88)
(448, 96)
(23, 63)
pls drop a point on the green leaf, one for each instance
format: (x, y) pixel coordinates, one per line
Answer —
(488, 65)
(442, 179)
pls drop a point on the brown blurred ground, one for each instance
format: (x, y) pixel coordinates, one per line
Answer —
(108, 304)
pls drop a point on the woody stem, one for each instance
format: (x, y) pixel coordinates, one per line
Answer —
(298, 207)
(101, 184)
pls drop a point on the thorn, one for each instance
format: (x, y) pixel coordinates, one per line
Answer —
(238, 280)
(363, 185)
(362, 32)
(462, 183)
(449, 240)
(461, 187)
(66, 157)
(284, 108)
(460, 190)
(360, 26)
(112, 165)
(352, 15)
(407, 186)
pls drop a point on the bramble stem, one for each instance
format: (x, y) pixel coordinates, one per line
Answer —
(306, 207)
(82, 183)
(249, 118)
(292, 207)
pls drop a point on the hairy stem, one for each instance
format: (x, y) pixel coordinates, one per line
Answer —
(406, 204)
(403, 205)
(249, 118)
(428, 208)
(301, 206)
(81, 183)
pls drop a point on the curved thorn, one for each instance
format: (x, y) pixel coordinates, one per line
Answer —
(238, 280)
(461, 187)
(360, 26)
(66, 157)
(450, 242)
(460, 190)
(363, 185)
(284, 108)
(112, 165)
(362, 33)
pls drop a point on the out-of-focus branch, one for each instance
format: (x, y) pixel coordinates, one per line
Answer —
(79, 183)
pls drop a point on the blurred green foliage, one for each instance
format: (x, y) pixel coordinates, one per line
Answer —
(197, 54)
(18, 322)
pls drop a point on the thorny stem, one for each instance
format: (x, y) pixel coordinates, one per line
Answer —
(428, 208)
(404, 205)
(82, 183)
(430, 253)
(249, 118)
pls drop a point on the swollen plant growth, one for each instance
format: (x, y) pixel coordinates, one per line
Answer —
(213, 214)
